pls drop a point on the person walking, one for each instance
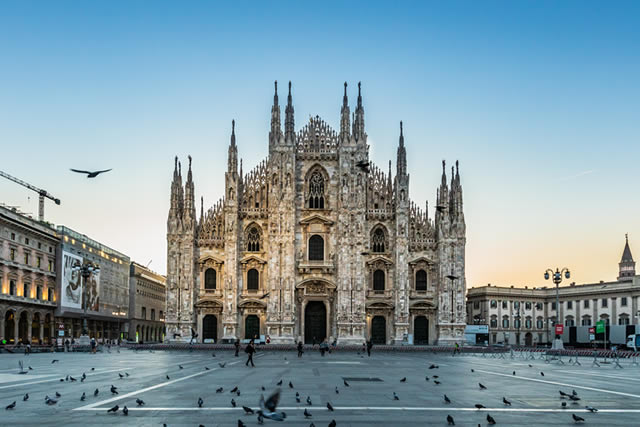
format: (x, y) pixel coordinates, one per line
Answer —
(250, 350)
(300, 349)
(237, 346)
(369, 345)
(94, 344)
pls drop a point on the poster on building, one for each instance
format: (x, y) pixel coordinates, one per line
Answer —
(71, 285)
(93, 291)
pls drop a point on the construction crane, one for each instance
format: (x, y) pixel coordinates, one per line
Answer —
(41, 193)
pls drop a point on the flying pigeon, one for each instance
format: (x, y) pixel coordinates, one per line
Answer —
(89, 173)
(577, 419)
(114, 409)
(268, 408)
(11, 405)
(450, 420)
(125, 410)
(364, 166)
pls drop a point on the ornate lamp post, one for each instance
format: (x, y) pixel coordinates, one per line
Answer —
(556, 276)
(86, 270)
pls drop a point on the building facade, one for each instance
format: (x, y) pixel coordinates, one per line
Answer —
(316, 242)
(147, 304)
(526, 316)
(105, 295)
(28, 251)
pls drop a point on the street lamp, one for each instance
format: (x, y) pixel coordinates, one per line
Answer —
(556, 276)
(452, 278)
(86, 270)
(517, 319)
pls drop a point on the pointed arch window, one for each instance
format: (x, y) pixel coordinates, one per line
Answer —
(378, 240)
(316, 191)
(253, 240)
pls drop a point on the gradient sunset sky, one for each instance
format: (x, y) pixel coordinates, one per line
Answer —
(539, 100)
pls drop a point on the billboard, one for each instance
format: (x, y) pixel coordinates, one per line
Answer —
(71, 285)
(93, 291)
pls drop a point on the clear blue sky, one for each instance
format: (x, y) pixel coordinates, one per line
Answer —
(539, 101)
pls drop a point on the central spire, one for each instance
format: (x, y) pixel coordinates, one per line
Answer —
(274, 134)
(289, 132)
(344, 116)
(358, 124)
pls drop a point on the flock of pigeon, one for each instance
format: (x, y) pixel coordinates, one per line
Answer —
(268, 408)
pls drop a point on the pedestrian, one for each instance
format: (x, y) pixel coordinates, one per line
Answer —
(66, 345)
(250, 350)
(324, 346)
(456, 349)
(27, 350)
(314, 342)
(237, 345)
(364, 347)
(94, 344)
(369, 345)
(300, 349)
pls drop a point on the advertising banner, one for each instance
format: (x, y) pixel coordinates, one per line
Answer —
(93, 291)
(600, 328)
(559, 329)
(71, 285)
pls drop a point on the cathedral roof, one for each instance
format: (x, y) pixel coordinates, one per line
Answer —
(317, 136)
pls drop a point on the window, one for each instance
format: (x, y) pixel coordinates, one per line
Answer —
(26, 259)
(494, 338)
(527, 305)
(494, 304)
(494, 321)
(12, 287)
(421, 280)
(39, 292)
(538, 306)
(316, 191)
(153, 314)
(539, 323)
(505, 305)
(516, 305)
(569, 321)
(606, 319)
(623, 320)
(569, 305)
(50, 265)
(253, 240)
(144, 313)
(586, 320)
(253, 280)
(39, 245)
(38, 262)
(26, 240)
(50, 249)
(316, 248)
(210, 279)
(516, 323)
(12, 254)
(50, 294)
(377, 240)
(505, 322)
(476, 304)
(585, 303)
(378, 281)
(528, 323)
(161, 315)
(25, 290)
(623, 303)
(13, 236)
(605, 302)
(553, 306)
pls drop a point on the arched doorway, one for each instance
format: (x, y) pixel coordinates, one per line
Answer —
(421, 330)
(528, 339)
(23, 327)
(210, 328)
(10, 326)
(251, 326)
(315, 322)
(378, 330)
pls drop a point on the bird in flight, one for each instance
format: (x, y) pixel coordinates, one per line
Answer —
(89, 173)
(268, 408)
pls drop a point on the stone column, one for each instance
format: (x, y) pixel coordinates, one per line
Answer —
(16, 326)
(41, 331)
(29, 327)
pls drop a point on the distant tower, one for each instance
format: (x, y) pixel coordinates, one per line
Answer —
(627, 264)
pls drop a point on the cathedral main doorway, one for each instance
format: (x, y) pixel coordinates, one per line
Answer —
(210, 327)
(315, 322)
(251, 327)
(378, 330)
(421, 330)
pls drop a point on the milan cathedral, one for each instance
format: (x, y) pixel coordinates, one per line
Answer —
(316, 242)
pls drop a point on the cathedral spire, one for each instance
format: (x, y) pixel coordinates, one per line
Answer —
(401, 162)
(189, 200)
(344, 115)
(358, 124)
(201, 209)
(288, 120)
(233, 150)
(274, 134)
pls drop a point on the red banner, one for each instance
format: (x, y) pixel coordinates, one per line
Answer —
(592, 330)
(559, 329)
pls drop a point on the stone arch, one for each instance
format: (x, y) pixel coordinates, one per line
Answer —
(316, 187)
(379, 239)
(253, 237)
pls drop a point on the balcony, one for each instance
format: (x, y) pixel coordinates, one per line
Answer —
(386, 294)
(413, 294)
(324, 266)
(252, 293)
(212, 293)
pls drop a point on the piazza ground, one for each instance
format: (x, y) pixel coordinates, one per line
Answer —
(535, 398)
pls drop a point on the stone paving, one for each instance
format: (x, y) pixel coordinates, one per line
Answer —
(534, 397)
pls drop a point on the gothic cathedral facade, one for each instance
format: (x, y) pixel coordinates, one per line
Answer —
(316, 243)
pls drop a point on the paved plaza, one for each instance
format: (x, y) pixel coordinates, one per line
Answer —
(369, 400)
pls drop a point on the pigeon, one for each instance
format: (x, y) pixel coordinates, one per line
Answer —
(472, 370)
(233, 403)
(446, 399)
(591, 409)
(435, 376)
(50, 401)
(234, 389)
(262, 388)
(279, 383)
(450, 420)
(564, 404)
(238, 393)
(247, 410)
(83, 377)
(180, 366)
(114, 390)
(260, 419)
(542, 373)
(333, 423)
(307, 414)
(337, 391)
(219, 390)
(268, 407)
(574, 392)
(290, 384)
(206, 368)
(433, 367)
(67, 378)
(61, 380)
(426, 378)
(54, 361)
(26, 397)
(95, 393)
(126, 373)
(120, 375)
(574, 398)
(93, 369)
(297, 399)
(114, 409)
(168, 377)
(241, 424)
(222, 365)
(125, 410)
(531, 366)
(72, 379)
(83, 397)
(562, 393)
(364, 166)
(58, 395)
(140, 402)
(505, 401)
(309, 400)
(482, 387)
(436, 382)
(395, 396)
(577, 419)
(329, 407)
(30, 368)
(213, 355)
(90, 174)
(479, 406)
(514, 373)
(11, 405)
(403, 380)
(490, 420)
(200, 402)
